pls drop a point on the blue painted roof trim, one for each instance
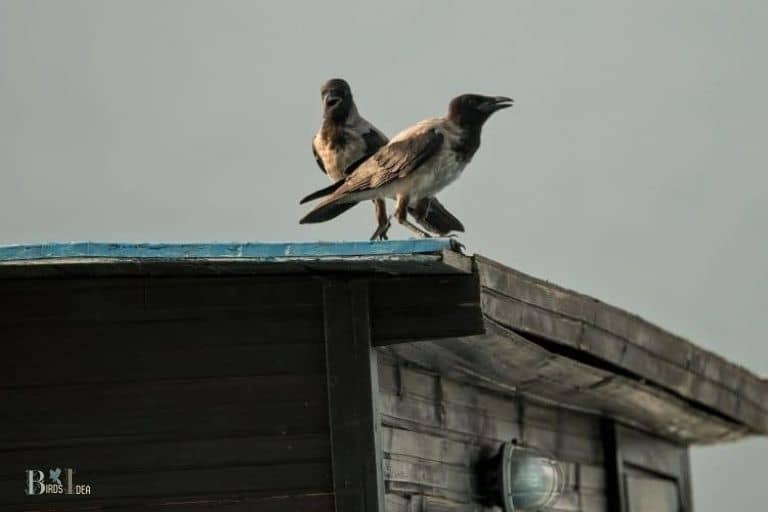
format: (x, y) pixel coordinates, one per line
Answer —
(234, 250)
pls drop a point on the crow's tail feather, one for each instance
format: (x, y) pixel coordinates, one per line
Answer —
(322, 192)
(326, 211)
(438, 219)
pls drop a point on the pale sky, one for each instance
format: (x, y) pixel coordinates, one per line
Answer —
(632, 166)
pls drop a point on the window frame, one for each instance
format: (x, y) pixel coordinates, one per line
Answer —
(627, 448)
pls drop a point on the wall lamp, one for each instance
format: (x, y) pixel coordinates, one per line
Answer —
(521, 478)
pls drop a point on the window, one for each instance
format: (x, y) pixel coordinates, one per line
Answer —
(647, 492)
(645, 473)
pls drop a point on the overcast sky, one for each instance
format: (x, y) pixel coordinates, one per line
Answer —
(633, 166)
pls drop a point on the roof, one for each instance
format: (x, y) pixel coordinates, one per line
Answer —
(628, 347)
(426, 256)
(540, 339)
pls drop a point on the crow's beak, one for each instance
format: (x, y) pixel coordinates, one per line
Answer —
(496, 103)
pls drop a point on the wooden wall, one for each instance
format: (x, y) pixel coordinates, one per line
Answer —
(211, 394)
(166, 393)
(434, 431)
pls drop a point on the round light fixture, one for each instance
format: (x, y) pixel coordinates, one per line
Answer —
(520, 478)
(530, 480)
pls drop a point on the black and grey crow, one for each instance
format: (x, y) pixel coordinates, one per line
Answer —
(415, 165)
(346, 139)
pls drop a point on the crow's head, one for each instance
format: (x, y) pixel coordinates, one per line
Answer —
(337, 99)
(472, 110)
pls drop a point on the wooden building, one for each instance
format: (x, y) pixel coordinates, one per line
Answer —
(353, 377)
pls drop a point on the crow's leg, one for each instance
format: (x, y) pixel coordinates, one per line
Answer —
(401, 214)
(382, 219)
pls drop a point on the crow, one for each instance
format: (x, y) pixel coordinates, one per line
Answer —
(345, 140)
(415, 165)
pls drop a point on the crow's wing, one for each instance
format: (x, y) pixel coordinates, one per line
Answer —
(373, 140)
(318, 159)
(394, 161)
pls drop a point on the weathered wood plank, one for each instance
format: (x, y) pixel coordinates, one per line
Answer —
(483, 428)
(241, 501)
(409, 489)
(585, 324)
(431, 478)
(169, 453)
(433, 447)
(80, 398)
(32, 301)
(312, 501)
(352, 381)
(621, 353)
(491, 361)
(397, 503)
(434, 504)
(414, 308)
(455, 421)
(268, 405)
(219, 329)
(415, 382)
(534, 320)
(104, 363)
(594, 503)
(291, 418)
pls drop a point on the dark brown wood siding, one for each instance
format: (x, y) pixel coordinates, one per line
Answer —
(435, 429)
(168, 393)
